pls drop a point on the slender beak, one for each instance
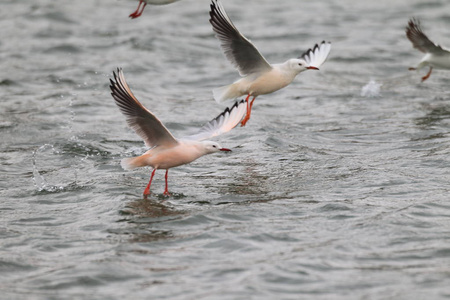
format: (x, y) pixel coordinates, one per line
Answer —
(312, 68)
(225, 149)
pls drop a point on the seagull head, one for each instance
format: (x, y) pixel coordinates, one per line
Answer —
(212, 147)
(299, 65)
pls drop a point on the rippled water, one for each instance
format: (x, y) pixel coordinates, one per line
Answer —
(337, 188)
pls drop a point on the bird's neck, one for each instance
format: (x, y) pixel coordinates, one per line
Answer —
(287, 70)
(196, 148)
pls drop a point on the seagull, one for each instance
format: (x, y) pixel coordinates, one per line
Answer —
(165, 150)
(143, 3)
(259, 77)
(435, 56)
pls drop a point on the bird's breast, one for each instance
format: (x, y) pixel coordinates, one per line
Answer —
(269, 82)
(439, 61)
(174, 157)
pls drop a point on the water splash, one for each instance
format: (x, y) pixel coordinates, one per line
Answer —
(39, 180)
(135, 151)
(371, 90)
(59, 172)
(71, 120)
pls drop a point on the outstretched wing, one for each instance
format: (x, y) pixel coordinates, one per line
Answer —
(316, 56)
(140, 119)
(224, 122)
(236, 47)
(419, 40)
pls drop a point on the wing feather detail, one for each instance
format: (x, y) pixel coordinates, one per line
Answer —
(140, 119)
(316, 56)
(224, 122)
(419, 40)
(237, 48)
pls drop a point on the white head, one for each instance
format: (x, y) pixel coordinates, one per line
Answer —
(211, 147)
(299, 65)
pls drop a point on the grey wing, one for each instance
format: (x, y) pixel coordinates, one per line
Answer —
(237, 48)
(316, 56)
(224, 122)
(140, 119)
(419, 40)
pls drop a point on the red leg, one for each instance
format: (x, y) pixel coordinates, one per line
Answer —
(135, 13)
(247, 115)
(249, 111)
(138, 13)
(147, 189)
(251, 104)
(428, 75)
(143, 6)
(166, 190)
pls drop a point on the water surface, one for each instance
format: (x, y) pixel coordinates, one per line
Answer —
(327, 194)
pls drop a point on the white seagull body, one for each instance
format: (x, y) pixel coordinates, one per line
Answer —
(259, 77)
(165, 150)
(138, 12)
(435, 56)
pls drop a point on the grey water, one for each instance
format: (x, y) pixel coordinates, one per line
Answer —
(337, 188)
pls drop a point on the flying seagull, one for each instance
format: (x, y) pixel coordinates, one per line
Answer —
(166, 151)
(259, 76)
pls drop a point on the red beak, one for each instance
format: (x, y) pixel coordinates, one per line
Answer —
(225, 149)
(312, 68)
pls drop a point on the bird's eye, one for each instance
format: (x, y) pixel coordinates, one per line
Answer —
(300, 64)
(214, 146)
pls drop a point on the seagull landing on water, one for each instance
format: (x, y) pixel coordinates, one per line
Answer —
(259, 77)
(144, 3)
(435, 56)
(166, 151)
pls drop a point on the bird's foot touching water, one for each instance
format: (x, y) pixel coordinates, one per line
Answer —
(165, 194)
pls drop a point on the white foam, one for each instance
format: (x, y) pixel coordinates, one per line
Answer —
(371, 90)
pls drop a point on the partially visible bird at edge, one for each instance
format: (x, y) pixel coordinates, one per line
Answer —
(435, 55)
(143, 3)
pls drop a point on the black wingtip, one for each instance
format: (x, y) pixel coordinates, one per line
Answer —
(413, 24)
(313, 49)
(229, 109)
(116, 75)
(212, 11)
(413, 30)
(111, 86)
(114, 82)
(117, 85)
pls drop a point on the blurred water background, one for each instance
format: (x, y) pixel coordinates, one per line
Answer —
(337, 188)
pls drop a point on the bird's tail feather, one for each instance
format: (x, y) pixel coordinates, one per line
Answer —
(131, 163)
(224, 93)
